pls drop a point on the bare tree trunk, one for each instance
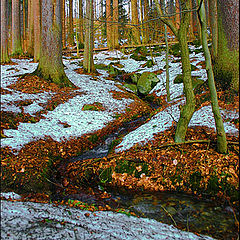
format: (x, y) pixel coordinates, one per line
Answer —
(37, 23)
(81, 38)
(4, 32)
(24, 26)
(177, 9)
(146, 24)
(109, 24)
(63, 24)
(115, 25)
(88, 63)
(16, 33)
(214, 26)
(221, 135)
(30, 29)
(70, 28)
(135, 22)
(50, 65)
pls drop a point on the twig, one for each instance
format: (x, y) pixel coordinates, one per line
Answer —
(169, 215)
(58, 185)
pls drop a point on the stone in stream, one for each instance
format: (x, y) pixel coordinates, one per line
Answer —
(147, 82)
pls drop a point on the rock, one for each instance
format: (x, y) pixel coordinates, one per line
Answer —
(132, 87)
(135, 77)
(147, 82)
(195, 80)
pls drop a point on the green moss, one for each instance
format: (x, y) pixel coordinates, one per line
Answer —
(93, 138)
(105, 175)
(175, 50)
(194, 181)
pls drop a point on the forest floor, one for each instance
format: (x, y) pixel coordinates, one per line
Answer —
(43, 126)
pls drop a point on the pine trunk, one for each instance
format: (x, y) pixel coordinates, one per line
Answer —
(135, 22)
(115, 25)
(50, 65)
(81, 38)
(109, 24)
(4, 33)
(88, 63)
(16, 34)
(221, 135)
(37, 23)
(70, 28)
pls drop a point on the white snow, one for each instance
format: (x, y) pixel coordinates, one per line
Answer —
(82, 122)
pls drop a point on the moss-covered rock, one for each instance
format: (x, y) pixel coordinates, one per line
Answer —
(147, 82)
(195, 80)
(135, 77)
(139, 54)
(132, 87)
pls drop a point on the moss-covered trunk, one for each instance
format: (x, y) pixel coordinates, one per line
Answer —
(189, 108)
(4, 33)
(221, 135)
(226, 65)
(50, 65)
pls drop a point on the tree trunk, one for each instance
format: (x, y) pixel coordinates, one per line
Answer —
(221, 135)
(88, 63)
(24, 25)
(81, 38)
(135, 22)
(115, 25)
(109, 24)
(50, 65)
(70, 28)
(16, 33)
(37, 23)
(177, 9)
(214, 27)
(146, 24)
(226, 65)
(189, 108)
(4, 32)
(63, 24)
(30, 29)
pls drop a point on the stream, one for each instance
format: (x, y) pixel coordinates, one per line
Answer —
(185, 211)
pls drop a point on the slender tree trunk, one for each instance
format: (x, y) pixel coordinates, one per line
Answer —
(30, 29)
(50, 65)
(81, 38)
(146, 24)
(16, 33)
(37, 23)
(115, 25)
(109, 24)
(4, 32)
(135, 22)
(226, 65)
(177, 9)
(191, 35)
(189, 108)
(221, 135)
(24, 26)
(214, 27)
(70, 28)
(63, 25)
(88, 63)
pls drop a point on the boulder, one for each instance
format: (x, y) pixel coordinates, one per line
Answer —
(132, 87)
(135, 77)
(147, 82)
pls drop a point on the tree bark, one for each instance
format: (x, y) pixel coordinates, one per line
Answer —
(135, 22)
(16, 33)
(115, 25)
(37, 23)
(4, 32)
(221, 135)
(146, 24)
(30, 29)
(88, 63)
(50, 65)
(80, 29)
(109, 24)
(70, 28)
(226, 65)
(181, 33)
(214, 27)
(63, 24)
